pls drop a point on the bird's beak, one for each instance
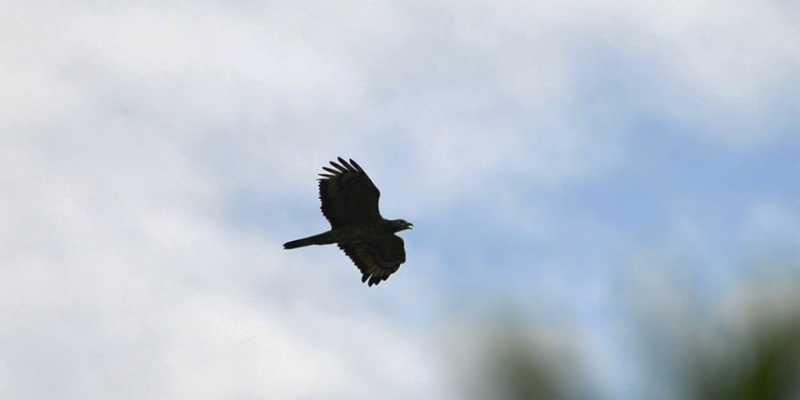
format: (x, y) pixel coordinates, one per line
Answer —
(410, 226)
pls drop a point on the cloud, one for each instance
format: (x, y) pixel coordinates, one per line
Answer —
(271, 86)
(769, 218)
(771, 229)
(126, 278)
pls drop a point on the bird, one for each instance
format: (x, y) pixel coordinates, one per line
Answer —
(350, 204)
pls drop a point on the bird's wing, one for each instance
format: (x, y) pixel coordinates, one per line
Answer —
(347, 194)
(376, 257)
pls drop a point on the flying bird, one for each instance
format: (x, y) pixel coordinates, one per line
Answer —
(350, 203)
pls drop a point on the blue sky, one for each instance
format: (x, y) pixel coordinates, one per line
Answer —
(558, 157)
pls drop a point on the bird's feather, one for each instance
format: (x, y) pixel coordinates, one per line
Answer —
(348, 196)
(376, 257)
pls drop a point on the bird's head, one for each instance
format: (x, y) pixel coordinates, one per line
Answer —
(401, 225)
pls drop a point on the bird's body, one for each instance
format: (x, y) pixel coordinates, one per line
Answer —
(350, 203)
(343, 235)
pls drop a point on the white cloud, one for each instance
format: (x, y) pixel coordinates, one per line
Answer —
(125, 278)
(771, 230)
(276, 86)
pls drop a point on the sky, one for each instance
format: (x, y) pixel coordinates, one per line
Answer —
(563, 158)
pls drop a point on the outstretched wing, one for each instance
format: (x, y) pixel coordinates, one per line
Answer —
(347, 194)
(376, 257)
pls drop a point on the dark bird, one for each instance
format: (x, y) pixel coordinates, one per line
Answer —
(350, 203)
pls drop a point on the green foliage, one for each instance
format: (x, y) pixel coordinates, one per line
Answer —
(747, 351)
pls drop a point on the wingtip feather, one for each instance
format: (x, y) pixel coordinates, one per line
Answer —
(345, 164)
(339, 167)
(358, 167)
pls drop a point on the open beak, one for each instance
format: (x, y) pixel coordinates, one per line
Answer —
(410, 226)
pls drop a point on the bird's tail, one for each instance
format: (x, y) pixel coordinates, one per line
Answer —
(322, 238)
